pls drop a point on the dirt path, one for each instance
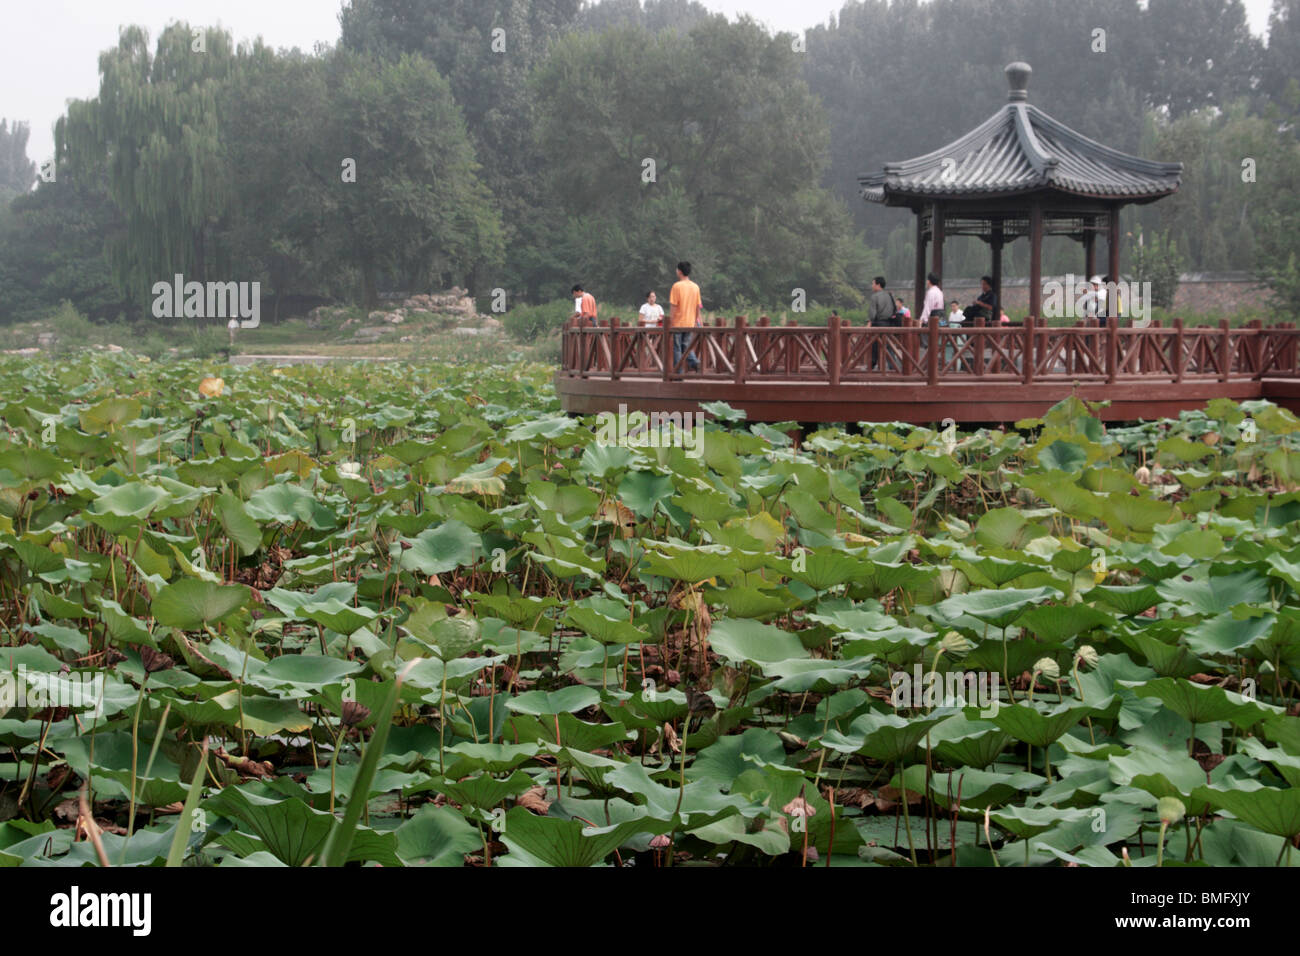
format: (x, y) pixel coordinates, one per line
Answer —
(309, 359)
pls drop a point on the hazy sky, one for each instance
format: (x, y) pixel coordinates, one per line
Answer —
(49, 50)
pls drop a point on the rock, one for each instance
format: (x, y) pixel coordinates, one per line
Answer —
(377, 316)
(118, 348)
(407, 338)
(395, 318)
(45, 339)
(492, 324)
(455, 301)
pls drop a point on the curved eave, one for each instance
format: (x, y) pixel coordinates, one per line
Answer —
(910, 197)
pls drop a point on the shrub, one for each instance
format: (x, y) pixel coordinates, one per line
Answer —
(529, 322)
(71, 327)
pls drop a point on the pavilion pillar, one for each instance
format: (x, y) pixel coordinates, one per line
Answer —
(1036, 258)
(996, 275)
(1089, 251)
(1113, 251)
(920, 263)
(936, 257)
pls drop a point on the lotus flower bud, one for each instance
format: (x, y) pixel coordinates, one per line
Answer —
(1048, 668)
(955, 643)
(1171, 810)
(1088, 655)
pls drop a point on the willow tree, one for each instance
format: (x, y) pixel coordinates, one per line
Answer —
(17, 172)
(155, 125)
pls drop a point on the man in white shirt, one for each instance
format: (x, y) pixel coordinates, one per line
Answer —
(652, 315)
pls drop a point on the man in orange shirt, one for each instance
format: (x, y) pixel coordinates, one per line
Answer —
(685, 304)
(584, 306)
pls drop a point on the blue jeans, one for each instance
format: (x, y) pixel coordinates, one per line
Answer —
(679, 346)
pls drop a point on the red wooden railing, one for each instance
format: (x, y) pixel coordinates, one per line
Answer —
(840, 353)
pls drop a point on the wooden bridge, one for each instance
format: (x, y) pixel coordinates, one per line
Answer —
(926, 373)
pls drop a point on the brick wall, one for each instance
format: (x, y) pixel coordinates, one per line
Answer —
(1198, 292)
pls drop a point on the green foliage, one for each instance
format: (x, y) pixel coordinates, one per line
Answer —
(227, 165)
(198, 561)
(737, 144)
(531, 322)
(17, 172)
(52, 248)
(155, 125)
(1160, 263)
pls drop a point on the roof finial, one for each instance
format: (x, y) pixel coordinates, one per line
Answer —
(1018, 76)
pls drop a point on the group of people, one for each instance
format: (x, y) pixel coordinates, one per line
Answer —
(683, 300)
(888, 310)
(884, 309)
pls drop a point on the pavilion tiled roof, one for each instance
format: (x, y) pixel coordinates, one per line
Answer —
(1020, 149)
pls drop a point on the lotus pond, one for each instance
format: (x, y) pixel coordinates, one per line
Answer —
(414, 615)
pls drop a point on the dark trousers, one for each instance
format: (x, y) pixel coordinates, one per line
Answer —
(679, 346)
(875, 348)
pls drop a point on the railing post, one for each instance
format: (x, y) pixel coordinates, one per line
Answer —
(1180, 352)
(1225, 351)
(1112, 352)
(666, 351)
(580, 345)
(1028, 349)
(1257, 348)
(742, 350)
(913, 342)
(615, 348)
(834, 354)
(977, 348)
(932, 352)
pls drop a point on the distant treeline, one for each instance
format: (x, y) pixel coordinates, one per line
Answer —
(517, 145)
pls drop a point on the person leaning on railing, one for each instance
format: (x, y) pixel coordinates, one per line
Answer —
(584, 307)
